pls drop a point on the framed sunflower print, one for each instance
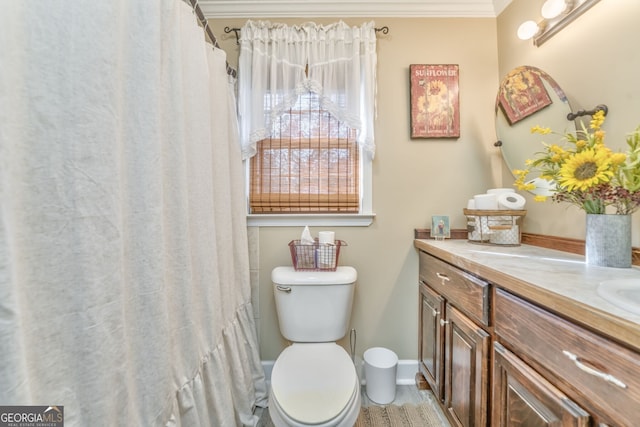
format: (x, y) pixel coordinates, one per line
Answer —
(522, 93)
(435, 105)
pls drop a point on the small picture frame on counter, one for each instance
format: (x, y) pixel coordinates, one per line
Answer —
(440, 228)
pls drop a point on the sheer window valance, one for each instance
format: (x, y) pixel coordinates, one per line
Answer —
(278, 63)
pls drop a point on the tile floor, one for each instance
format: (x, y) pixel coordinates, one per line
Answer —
(404, 394)
(411, 394)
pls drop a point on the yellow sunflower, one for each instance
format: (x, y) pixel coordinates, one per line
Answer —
(585, 170)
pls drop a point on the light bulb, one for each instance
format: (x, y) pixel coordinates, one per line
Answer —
(527, 30)
(553, 8)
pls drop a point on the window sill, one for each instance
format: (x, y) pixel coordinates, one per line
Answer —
(286, 220)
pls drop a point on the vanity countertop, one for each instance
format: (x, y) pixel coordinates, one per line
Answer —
(560, 281)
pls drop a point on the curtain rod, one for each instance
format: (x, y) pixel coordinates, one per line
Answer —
(227, 30)
(205, 24)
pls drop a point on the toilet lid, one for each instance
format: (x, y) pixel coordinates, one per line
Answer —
(313, 382)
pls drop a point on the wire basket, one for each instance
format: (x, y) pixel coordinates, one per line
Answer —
(316, 256)
(497, 227)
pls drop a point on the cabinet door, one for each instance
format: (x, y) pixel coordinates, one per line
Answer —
(597, 372)
(466, 370)
(431, 332)
(522, 398)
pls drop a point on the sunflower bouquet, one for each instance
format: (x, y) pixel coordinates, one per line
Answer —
(583, 171)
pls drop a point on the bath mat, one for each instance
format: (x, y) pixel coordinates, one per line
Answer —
(422, 415)
(410, 415)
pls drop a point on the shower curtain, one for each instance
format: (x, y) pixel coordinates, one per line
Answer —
(124, 271)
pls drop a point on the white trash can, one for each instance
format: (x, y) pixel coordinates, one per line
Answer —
(380, 367)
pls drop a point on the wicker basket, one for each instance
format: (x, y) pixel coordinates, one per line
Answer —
(315, 257)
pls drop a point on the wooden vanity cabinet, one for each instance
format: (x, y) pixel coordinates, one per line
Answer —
(454, 348)
(573, 375)
(494, 358)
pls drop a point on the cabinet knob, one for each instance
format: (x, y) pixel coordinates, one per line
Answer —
(435, 313)
(443, 322)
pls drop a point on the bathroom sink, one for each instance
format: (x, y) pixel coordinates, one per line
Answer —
(623, 293)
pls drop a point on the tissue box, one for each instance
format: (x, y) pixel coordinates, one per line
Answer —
(316, 256)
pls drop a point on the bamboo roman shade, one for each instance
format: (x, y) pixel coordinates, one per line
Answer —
(310, 164)
(306, 108)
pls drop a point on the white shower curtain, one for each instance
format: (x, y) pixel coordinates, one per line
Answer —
(124, 272)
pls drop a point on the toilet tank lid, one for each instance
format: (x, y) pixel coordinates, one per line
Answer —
(344, 275)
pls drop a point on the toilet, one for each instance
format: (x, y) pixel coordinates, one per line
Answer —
(314, 381)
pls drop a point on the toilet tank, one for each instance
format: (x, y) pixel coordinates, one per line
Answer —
(313, 306)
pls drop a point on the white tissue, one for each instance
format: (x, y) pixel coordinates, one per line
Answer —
(326, 252)
(471, 204)
(326, 256)
(511, 201)
(486, 202)
(500, 190)
(326, 237)
(305, 251)
(306, 238)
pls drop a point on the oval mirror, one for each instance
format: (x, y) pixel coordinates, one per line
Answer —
(528, 96)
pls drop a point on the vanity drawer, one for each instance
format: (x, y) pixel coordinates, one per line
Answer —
(466, 292)
(604, 374)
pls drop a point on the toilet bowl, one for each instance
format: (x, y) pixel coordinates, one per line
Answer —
(314, 384)
(314, 381)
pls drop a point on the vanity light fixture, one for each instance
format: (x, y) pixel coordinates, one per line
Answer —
(554, 8)
(556, 14)
(529, 29)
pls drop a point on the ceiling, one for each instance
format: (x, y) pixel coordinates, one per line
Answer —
(351, 8)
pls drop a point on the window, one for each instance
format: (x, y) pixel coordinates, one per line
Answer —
(309, 164)
(306, 110)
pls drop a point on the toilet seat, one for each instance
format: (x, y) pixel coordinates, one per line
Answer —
(347, 418)
(315, 383)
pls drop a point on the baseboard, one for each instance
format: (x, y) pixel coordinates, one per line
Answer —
(405, 375)
(406, 372)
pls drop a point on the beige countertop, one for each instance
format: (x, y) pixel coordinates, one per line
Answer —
(560, 281)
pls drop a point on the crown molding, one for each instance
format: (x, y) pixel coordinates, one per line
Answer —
(351, 8)
(500, 5)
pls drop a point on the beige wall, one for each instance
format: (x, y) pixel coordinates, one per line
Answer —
(412, 179)
(595, 61)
